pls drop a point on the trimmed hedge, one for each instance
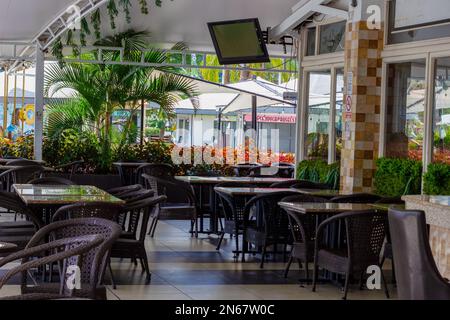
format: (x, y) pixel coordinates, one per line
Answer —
(437, 179)
(398, 177)
(320, 171)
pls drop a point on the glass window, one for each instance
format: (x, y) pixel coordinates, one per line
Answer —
(441, 123)
(405, 113)
(311, 42)
(318, 114)
(332, 37)
(339, 104)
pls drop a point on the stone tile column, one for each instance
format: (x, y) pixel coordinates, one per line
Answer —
(362, 101)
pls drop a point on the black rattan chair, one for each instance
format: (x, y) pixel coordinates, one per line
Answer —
(357, 198)
(19, 175)
(70, 251)
(303, 229)
(365, 232)
(70, 168)
(154, 170)
(181, 203)
(94, 262)
(285, 184)
(418, 277)
(52, 181)
(272, 224)
(233, 210)
(304, 184)
(132, 246)
(124, 190)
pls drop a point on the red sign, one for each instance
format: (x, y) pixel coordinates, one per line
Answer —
(273, 118)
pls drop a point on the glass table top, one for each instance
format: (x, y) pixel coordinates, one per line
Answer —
(47, 194)
(195, 179)
(305, 207)
(251, 191)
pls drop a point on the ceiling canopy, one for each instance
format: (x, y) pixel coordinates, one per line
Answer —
(174, 21)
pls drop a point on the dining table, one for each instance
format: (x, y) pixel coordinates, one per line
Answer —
(4, 161)
(45, 199)
(334, 234)
(207, 198)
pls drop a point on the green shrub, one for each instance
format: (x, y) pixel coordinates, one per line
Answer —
(319, 171)
(398, 177)
(437, 179)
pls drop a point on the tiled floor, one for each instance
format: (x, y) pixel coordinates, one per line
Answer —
(184, 268)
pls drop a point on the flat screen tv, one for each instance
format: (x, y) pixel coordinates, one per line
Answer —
(239, 41)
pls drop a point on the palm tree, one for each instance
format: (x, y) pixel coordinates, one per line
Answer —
(97, 90)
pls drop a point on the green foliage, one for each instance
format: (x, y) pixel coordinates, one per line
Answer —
(319, 171)
(398, 177)
(437, 179)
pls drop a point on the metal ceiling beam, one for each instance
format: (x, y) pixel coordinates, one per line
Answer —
(301, 12)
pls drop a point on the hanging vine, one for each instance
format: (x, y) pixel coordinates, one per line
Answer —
(84, 32)
(96, 21)
(126, 5)
(71, 42)
(57, 51)
(113, 13)
(144, 6)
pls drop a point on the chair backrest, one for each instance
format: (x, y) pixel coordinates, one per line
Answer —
(71, 167)
(70, 251)
(137, 195)
(303, 227)
(418, 277)
(103, 210)
(22, 174)
(176, 191)
(52, 181)
(357, 198)
(22, 162)
(155, 170)
(233, 208)
(270, 217)
(305, 184)
(285, 184)
(95, 261)
(365, 234)
(124, 190)
(11, 201)
(142, 208)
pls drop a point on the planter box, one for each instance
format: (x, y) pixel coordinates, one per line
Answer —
(102, 181)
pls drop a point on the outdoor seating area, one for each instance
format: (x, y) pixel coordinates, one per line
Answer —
(224, 151)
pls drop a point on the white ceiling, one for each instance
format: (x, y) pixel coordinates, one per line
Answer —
(177, 20)
(21, 20)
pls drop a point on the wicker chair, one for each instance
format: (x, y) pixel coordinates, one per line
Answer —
(94, 263)
(104, 210)
(272, 224)
(305, 184)
(242, 170)
(285, 184)
(418, 277)
(357, 198)
(181, 202)
(52, 181)
(133, 246)
(22, 162)
(303, 229)
(70, 251)
(365, 232)
(155, 170)
(20, 175)
(233, 210)
(124, 190)
(18, 232)
(70, 168)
